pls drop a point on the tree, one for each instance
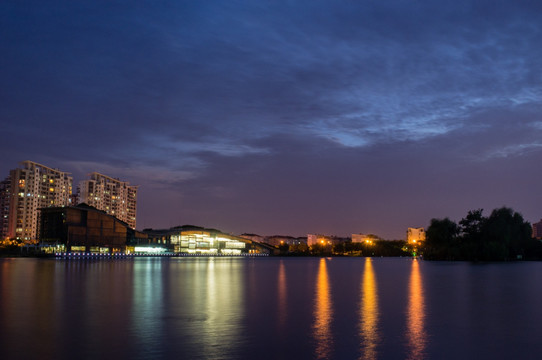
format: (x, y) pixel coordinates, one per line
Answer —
(506, 235)
(441, 240)
(471, 225)
(472, 240)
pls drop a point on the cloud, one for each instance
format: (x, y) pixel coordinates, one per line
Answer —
(214, 145)
(153, 176)
(511, 151)
(194, 96)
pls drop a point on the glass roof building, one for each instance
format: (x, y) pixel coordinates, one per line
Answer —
(196, 240)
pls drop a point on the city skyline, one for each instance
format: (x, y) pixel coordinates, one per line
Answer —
(321, 117)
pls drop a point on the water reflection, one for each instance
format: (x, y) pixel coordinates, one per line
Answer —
(369, 333)
(416, 335)
(282, 301)
(29, 308)
(148, 304)
(224, 308)
(323, 314)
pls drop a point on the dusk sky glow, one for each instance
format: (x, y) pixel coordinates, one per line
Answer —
(282, 117)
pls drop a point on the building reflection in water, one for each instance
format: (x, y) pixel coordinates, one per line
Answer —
(220, 334)
(416, 335)
(282, 297)
(323, 314)
(148, 304)
(369, 332)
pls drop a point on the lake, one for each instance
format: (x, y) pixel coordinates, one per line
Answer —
(269, 308)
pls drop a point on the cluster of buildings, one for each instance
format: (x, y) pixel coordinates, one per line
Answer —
(414, 236)
(38, 204)
(39, 207)
(31, 189)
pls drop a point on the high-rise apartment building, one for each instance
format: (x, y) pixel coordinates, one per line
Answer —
(5, 191)
(115, 197)
(34, 186)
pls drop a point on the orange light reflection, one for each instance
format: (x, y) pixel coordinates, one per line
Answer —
(416, 335)
(369, 333)
(282, 301)
(323, 314)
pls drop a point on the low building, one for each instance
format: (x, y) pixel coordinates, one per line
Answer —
(415, 235)
(313, 239)
(537, 230)
(253, 237)
(279, 240)
(197, 240)
(83, 228)
(364, 238)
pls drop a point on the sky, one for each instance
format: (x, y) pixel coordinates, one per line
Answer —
(282, 117)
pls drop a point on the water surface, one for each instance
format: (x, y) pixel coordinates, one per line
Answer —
(269, 308)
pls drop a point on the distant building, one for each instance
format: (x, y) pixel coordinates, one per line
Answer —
(537, 230)
(74, 198)
(253, 237)
(115, 197)
(363, 238)
(278, 240)
(83, 228)
(313, 239)
(34, 186)
(415, 235)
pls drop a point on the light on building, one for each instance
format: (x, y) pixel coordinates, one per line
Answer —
(149, 249)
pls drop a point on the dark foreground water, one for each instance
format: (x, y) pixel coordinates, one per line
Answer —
(269, 308)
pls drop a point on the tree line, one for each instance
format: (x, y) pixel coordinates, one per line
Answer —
(503, 235)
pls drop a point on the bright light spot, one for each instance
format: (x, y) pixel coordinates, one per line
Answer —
(149, 249)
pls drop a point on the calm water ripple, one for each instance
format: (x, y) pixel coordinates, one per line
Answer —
(269, 308)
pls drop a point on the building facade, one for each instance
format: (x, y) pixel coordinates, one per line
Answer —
(34, 186)
(313, 239)
(253, 237)
(415, 235)
(5, 196)
(115, 197)
(364, 238)
(196, 240)
(537, 230)
(280, 240)
(83, 228)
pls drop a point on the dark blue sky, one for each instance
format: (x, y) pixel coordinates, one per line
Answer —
(285, 117)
